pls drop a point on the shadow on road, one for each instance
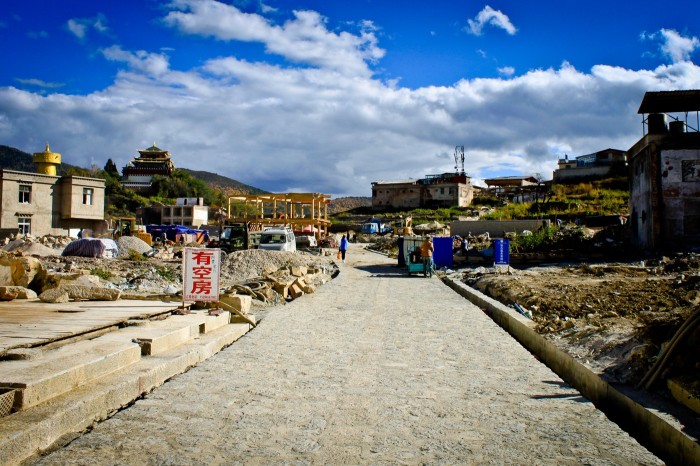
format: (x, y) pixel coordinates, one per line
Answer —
(386, 271)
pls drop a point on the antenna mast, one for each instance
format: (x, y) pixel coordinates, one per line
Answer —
(459, 160)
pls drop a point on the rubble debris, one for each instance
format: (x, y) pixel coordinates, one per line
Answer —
(131, 243)
(614, 317)
(54, 295)
(156, 275)
(8, 293)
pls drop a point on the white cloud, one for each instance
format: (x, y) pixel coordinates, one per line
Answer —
(304, 39)
(330, 128)
(506, 71)
(80, 27)
(150, 63)
(677, 47)
(493, 17)
(318, 130)
(39, 83)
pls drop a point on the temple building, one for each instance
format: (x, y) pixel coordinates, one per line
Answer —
(151, 162)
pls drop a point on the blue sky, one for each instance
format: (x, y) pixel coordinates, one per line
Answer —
(329, 96)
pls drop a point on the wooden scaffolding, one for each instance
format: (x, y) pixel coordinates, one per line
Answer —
(302, 212)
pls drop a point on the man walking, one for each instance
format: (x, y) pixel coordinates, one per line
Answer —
(426, 253)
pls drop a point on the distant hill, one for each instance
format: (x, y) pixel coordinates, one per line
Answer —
(230, 186)
(343, 204)
(15, 159)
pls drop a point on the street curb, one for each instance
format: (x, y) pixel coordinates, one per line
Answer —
(654, 433)
(28, 433)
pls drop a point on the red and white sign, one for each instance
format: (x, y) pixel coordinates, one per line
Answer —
(201, 269)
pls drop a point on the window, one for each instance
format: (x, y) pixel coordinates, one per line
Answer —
(25, 225)
(87, 196)
(25, 194)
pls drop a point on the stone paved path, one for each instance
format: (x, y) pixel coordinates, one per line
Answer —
(375, 368)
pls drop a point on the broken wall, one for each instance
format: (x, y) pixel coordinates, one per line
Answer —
(680, 193)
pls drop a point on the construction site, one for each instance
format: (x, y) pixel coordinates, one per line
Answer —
(369, 359)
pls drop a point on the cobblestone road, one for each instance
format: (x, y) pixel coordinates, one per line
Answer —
(375, 368)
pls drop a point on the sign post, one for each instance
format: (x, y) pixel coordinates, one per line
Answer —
(501, 252)
(200, 275)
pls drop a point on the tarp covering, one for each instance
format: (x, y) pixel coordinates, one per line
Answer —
(111, 248)
(84, 248)
(177, 233)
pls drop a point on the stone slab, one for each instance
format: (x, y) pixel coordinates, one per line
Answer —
(159, 336)
(36, 429)
(63, 369)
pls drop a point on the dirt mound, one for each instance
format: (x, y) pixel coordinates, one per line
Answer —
(243, 265)
(131, 243)
(615, 318)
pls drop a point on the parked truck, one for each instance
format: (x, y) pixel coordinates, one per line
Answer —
(376, 226)
(237, 237)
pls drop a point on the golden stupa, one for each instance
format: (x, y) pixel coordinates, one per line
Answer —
(47, 161)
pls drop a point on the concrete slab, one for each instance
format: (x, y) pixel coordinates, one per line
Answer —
(31, 431)
(30, 323)
(155, 337)
(63, 369)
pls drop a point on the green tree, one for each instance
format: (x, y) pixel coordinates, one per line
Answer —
(111, 168)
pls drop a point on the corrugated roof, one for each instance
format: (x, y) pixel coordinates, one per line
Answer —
(670, 102)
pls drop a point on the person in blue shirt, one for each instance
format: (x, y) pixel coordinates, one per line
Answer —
(343, 247)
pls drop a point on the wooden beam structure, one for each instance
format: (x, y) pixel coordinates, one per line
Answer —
(299, 211)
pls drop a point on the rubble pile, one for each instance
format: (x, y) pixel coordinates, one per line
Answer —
(131, 243)
(386, 244)
(268, 277)
(43, 246)
(614, 317)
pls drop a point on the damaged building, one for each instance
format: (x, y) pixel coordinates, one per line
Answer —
(599, 164)
(432, 191)
(665, 172)
(446, 190)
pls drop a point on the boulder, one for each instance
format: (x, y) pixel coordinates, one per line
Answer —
(24, 269)
(239, 302)
(19, 292)
(7, 293)
(6, 275)
(298, 270)
(91, 293)
(51, 279)
(303, 286)
(295, 291)
(54, 295)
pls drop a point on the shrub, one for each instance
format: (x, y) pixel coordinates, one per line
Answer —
(168, 273)
(102, 272)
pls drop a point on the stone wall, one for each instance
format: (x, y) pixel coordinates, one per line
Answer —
(495, 228)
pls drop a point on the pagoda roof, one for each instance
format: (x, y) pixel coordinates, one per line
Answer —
(154, 150)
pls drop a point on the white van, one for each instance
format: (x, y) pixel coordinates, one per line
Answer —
(278, 239)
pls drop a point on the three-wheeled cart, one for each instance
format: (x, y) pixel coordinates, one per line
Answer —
(411, 253)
